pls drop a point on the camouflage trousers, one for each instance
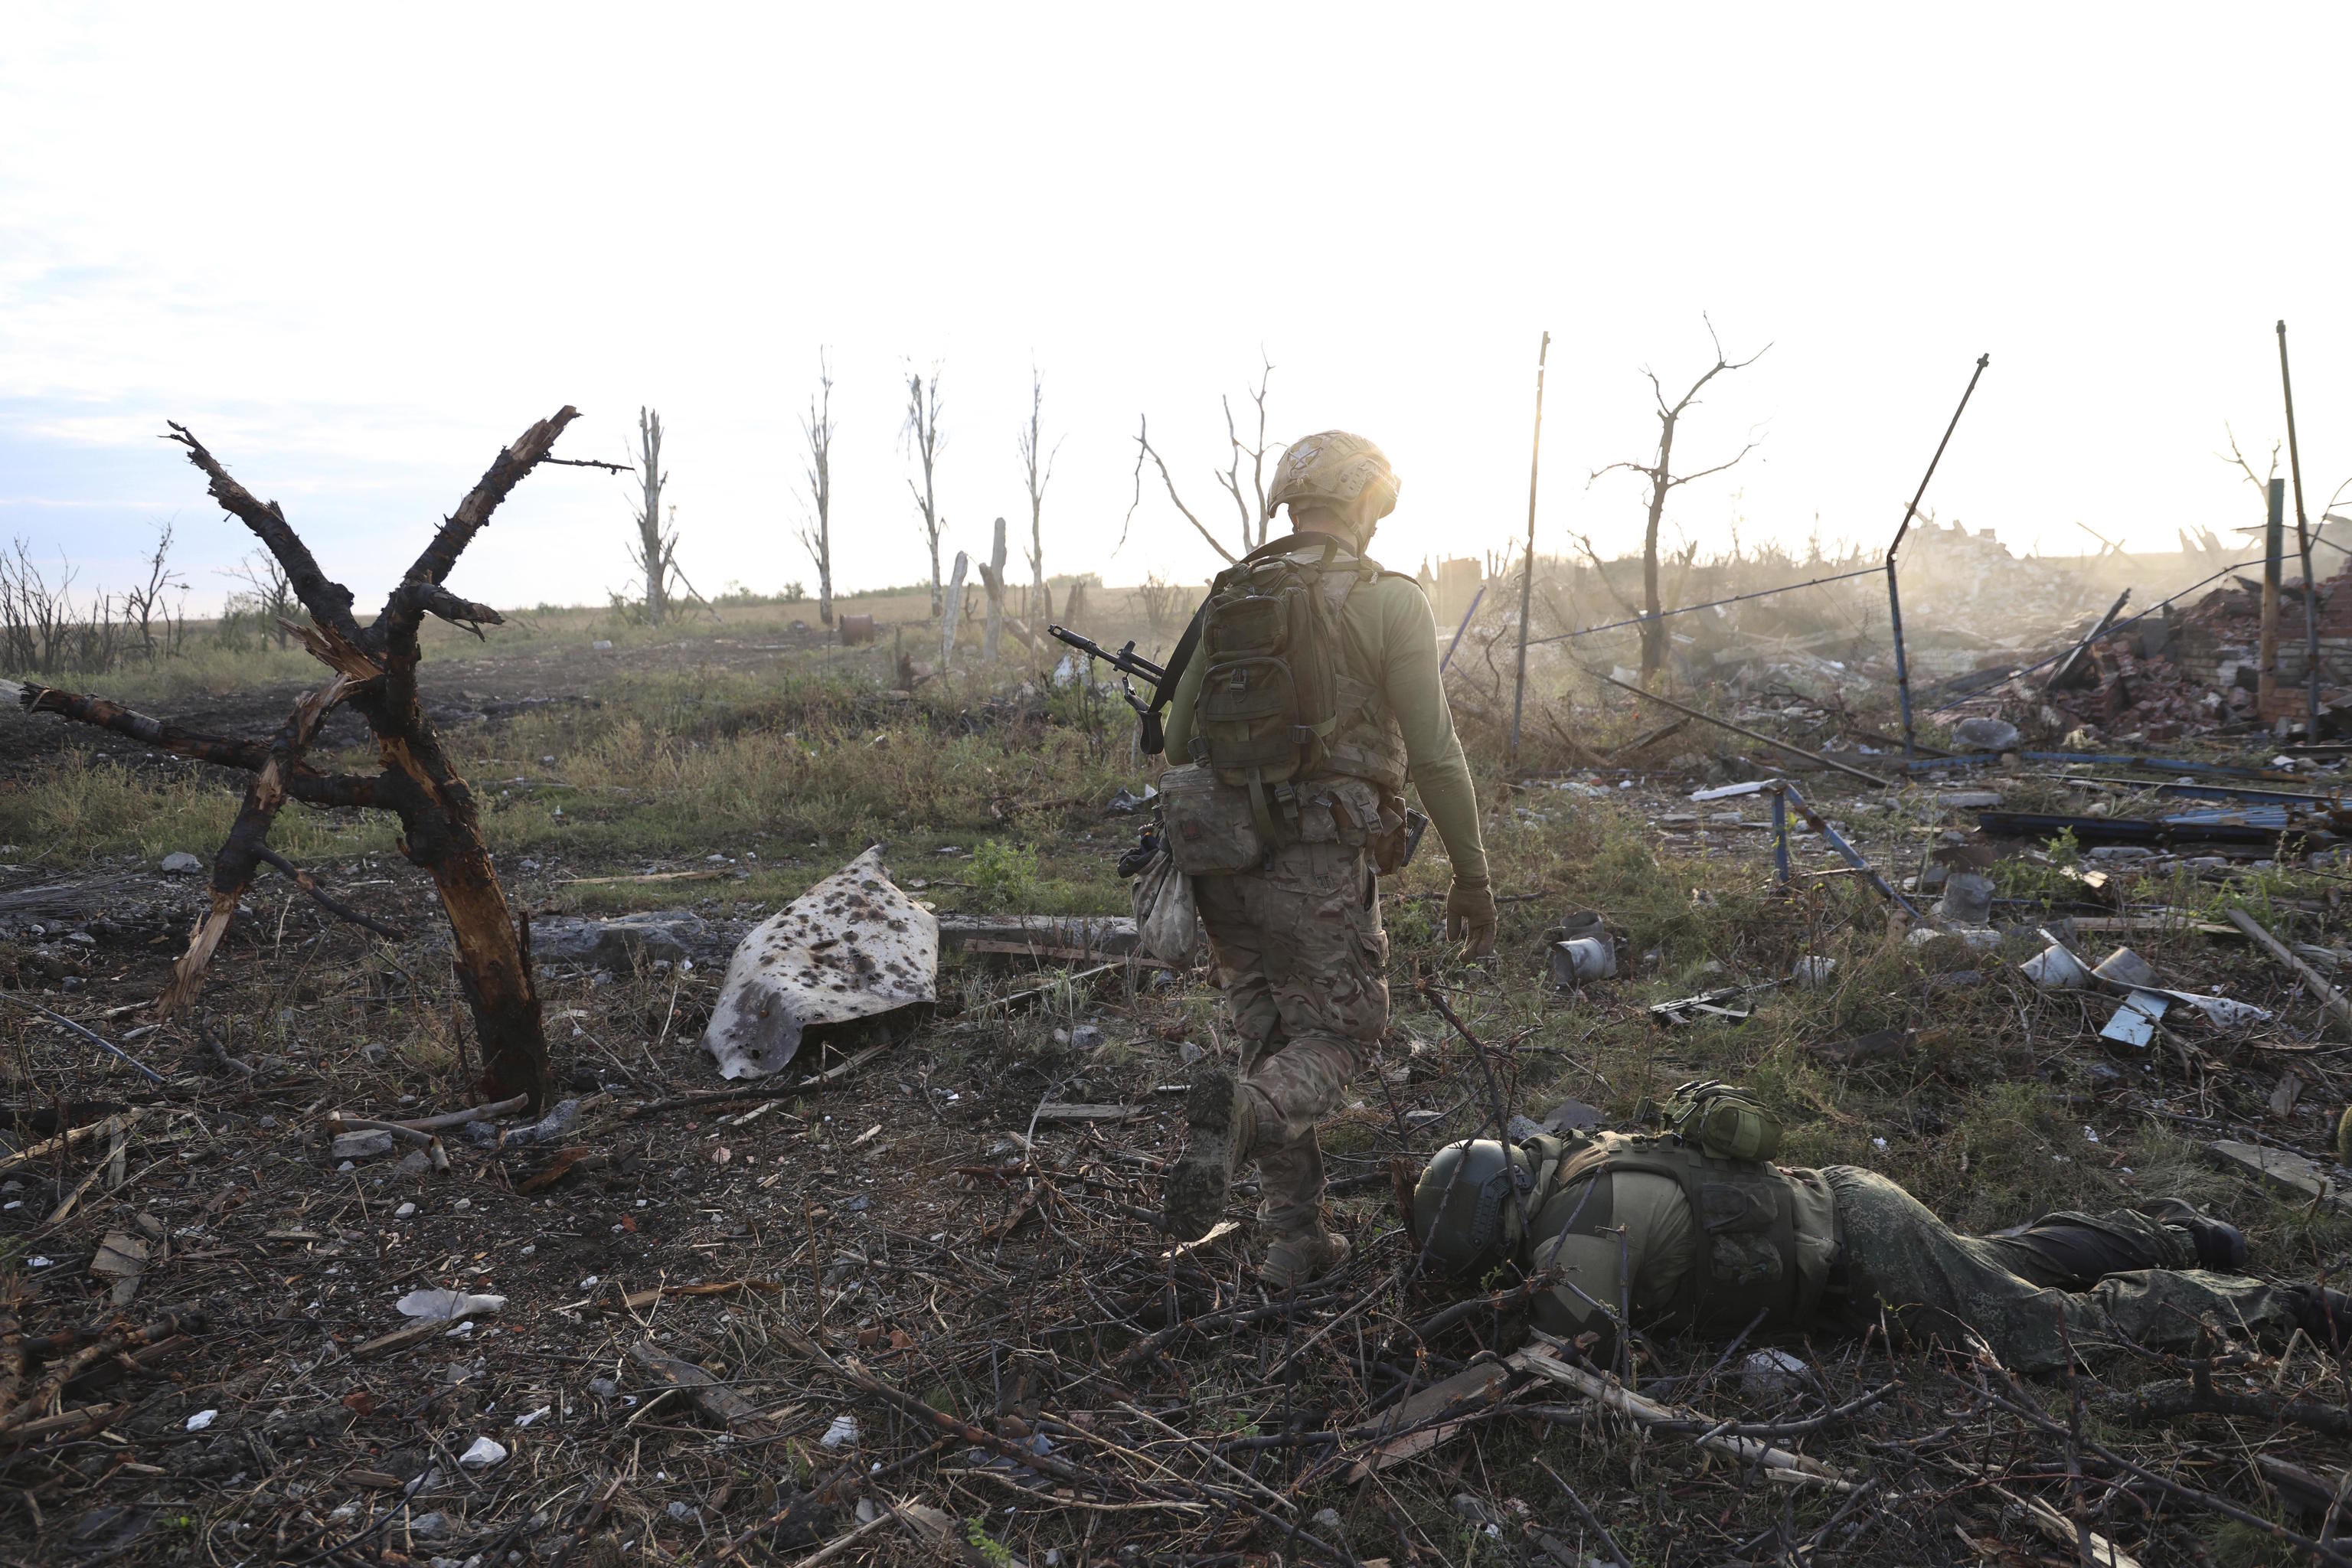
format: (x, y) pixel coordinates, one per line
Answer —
(2107, 1277)
(1300, 957)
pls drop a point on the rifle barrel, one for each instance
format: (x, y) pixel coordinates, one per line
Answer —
(1126, 660)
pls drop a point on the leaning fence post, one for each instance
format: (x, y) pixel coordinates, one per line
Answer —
(1894, 599)
(1528, 584)
(1780, 832)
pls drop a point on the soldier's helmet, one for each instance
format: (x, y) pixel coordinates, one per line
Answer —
(1331, 468)
(1463, 1208)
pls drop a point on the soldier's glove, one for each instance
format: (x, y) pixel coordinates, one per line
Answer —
(1470, 917)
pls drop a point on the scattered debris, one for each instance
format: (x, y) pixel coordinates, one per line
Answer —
(851, 947)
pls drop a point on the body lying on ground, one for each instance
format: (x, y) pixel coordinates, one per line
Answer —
(1654, 1230)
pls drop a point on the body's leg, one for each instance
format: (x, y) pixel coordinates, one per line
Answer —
(2075, 1251)
(1899, 1254)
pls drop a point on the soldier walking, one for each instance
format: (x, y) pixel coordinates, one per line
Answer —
(1305, 693)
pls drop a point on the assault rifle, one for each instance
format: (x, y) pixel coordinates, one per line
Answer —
(1127, 661)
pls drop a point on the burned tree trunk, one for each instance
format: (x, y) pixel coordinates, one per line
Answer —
(375, 672)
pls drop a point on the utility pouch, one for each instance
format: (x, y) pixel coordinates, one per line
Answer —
(1726, 1122)
(1165, 913)
(1400, 829)
(1208, 826)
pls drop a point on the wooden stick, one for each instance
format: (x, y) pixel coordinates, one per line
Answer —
(1827, 762)
(2329, 997)
(1649, 1413)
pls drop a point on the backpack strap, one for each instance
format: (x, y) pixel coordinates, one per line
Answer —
(1155, 735)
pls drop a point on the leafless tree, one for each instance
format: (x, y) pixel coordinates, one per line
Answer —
(1254, 521)
(816, 536)
(2238, 459)
(1041, 598)
(149, 603)
(922, 435)
(269, 595)
(1664, 481)
(654, 554)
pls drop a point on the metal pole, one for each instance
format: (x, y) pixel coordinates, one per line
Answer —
(1475, 601)
(2302, 539)
(1894, 598)
(1527, 585)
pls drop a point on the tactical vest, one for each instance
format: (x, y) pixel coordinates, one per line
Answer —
(1743, 1219)
(1287, 692)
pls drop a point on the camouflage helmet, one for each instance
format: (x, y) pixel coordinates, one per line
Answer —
(1331, 468)
(1463, 1209)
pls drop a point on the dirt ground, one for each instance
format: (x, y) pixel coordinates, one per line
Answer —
(931, 1317)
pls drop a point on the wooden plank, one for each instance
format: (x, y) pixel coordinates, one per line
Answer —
(2291, 1173)
(2329, 997)
(1057, 1110)
(705, 875)
(1459, 1389)
(2126, 924)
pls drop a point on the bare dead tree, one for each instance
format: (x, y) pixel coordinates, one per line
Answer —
(653, 554)
(1041, 599)
(269, 593)
(922, 435)
(1664, 482)
(816, 535)
(145, 605)
(2238, 459)
(374, 669)
(1254, 522)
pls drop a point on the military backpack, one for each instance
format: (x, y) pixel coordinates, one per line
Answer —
(1272, 634)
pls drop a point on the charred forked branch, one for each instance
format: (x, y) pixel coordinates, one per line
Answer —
(304, 783)
(375, 673)
(226, 753)
(233, 865)
(329, 601)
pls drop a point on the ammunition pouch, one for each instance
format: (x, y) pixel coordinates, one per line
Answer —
(1209, 827)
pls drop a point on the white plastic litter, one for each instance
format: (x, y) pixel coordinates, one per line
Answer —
(449, 1304)
(483, 1455)
(2055, 969)
(2134, 1022)
(1767, 1375)
(843, 1430)
(2221, 1012)
(527, 1416)
(1813, 970)
(202, 1419)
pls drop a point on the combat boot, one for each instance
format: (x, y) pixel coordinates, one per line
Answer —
(1299, 1256)
(1219, 1121)
(2325, 1314)
(2221, 1246)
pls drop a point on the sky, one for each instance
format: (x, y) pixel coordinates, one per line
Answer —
(358, 251)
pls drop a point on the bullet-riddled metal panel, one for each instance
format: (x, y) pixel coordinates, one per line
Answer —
(850, 947)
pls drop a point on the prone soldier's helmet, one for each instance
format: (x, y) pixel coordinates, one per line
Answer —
(1463, 1208)
(1331, 468)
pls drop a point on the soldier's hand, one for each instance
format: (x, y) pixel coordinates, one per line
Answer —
(1470, 917)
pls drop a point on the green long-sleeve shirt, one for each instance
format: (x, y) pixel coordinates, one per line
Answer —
(1388, 622)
